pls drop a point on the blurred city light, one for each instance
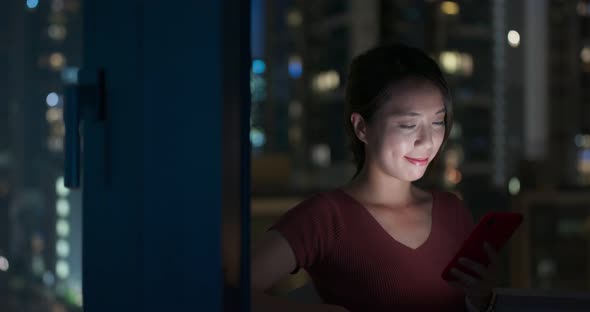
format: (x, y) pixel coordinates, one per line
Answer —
(294, 18)
(582, 140)
(295, 109)
(258, 67)
(454, 157)
(583, 8)
(69, 75)
(54, 114)
(257, 137)
(320, 155)
(62, 269)
(257, 88)
(4, 265)
(57, 32)
(513, 38)
(456, 131)
(55, 144)
(57, 61)
(62, 207)
(31, 4)
(62, 247)
(48, 278)
(60, 187)
(449, 7)
(453, 175)
(514, 186)
(585, 54)
(326, 81)
(62, 227)
(52, 99)
(295, 66)
(453, 62)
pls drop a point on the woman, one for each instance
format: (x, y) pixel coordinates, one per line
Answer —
(379, 243)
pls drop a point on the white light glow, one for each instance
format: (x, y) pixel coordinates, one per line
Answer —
(60, 187)
(513, 38)
(62, 248)
(62, 207)
(52, 99)
(320, 155)
(4, 265)
(453, 62)
(62, 227)
(62, 269)
(514, 186)
(257, 137)
(326, 81)
(294, 18)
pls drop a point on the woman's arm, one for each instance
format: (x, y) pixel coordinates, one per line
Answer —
(272, 259)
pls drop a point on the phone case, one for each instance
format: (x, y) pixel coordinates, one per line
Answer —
(495, 228)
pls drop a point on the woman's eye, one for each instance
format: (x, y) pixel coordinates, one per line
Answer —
(439, 123)
(407, 126)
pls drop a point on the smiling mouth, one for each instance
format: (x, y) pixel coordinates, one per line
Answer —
(417, 161)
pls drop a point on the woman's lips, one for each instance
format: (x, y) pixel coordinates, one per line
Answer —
(417, 161)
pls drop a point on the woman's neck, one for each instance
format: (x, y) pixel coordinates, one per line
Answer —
(375, 187)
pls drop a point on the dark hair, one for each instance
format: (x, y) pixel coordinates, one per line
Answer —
(373, 75)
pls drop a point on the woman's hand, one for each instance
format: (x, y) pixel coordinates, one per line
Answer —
(478, 289)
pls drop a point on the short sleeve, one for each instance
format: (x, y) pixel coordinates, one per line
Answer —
(311, 228)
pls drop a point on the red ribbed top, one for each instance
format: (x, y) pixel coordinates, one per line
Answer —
(353, 262)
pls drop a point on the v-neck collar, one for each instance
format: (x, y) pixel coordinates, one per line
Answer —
(384, 232)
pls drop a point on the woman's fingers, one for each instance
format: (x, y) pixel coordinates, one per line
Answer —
(466, 279)
(473, 266)
(492, 253)
(474, 292)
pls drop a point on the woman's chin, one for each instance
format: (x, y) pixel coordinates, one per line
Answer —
(415, 175)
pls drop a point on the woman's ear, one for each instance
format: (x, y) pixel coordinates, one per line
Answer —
(360, 127)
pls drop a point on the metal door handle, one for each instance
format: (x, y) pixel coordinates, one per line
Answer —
(82, 101)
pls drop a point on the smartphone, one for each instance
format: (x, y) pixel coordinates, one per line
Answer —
(495, 228)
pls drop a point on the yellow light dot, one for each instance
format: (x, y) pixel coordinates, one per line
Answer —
(57, 32)
(449, 7)
(294, 18)
(54, 114)
(57, 60)
(450, 61)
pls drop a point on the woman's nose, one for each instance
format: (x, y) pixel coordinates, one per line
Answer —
(424, 138)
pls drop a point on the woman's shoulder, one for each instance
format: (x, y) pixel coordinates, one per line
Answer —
(318, 202)
(320, 198)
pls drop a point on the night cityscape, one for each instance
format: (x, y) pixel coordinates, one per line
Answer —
(519, 74)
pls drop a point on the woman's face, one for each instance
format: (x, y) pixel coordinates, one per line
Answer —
(405, 133)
